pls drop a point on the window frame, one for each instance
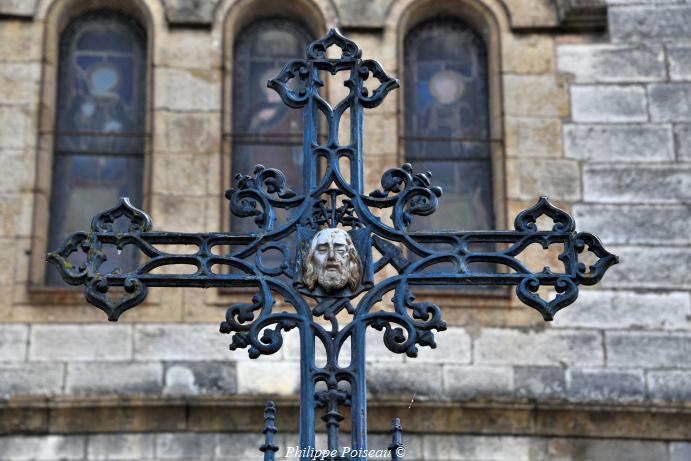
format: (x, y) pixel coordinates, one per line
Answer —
(483, 23)
(236, 23)
(58, 18)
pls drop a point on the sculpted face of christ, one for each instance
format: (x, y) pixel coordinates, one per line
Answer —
(332, 261)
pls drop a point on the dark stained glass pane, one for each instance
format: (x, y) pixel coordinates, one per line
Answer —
(447, 121)
(447, 125)
(100, 127)
(264, 130)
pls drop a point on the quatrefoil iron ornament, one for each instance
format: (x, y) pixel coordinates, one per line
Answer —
(323, 265)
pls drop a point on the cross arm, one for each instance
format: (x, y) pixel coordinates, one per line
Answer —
(217, 259)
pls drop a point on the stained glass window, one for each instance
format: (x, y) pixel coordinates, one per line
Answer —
(264, 130)
(447, 121)
(99, 133)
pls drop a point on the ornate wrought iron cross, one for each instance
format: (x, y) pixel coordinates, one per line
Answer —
(323, 264)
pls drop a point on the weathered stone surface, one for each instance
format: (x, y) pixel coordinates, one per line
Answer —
(81, 343)
(533, 177)
(528, 54)
(619, 143)
(669, 385)
(636, 224)
(181, 174)
(648, 350)
(17, 127)
(200, 378)
(637, 184)
(241, 446)
(189, 48)
(190, 12)
(453, 346)
(120, 447)
(612, 63)
(535, 95)
(680, 451)
(17, 212)
(411, 442)
(121, 378)
(682, 138)
(30, 379)
(533, 137)
(593, 449)
(19, 8)
(20, 82)
(670, 102)
(472, 382)
(13, 341)
(375, 350)
(180, 342)
(655, 267)
(425, 380)
(268, 377)
(605, 385)
(611, 103)
(185, 446)
(468, 447)
(47, 447)
(679, 57)
(626, 309)
(190, 90)
(547, 347)
(186, 132)
(539, 382)
(649, 22)
(18, 171)
(362, 13)
(21, 40)
(186, 214)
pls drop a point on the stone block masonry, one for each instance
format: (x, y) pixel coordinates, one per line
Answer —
(187, 446)
(599, 122)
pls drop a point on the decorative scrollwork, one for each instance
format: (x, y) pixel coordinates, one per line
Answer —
(97, 294)
(386, 83)
(281, 84)
(138, 220)
(596, 271)
(349, 50)
(257, 196)
(407, 193)
(566, 289)
(74, 273)
(240, 320)
(526, 220)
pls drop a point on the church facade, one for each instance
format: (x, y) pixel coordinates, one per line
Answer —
(584, 101)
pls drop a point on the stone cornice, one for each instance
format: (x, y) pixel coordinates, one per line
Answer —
(244, 414)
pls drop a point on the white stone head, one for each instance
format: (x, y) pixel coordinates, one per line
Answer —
(332, 261)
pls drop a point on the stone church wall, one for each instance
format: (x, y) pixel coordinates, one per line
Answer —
(592, 103)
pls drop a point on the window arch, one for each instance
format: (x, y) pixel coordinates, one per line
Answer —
(447, 121)
(99, 137)
(263, 129)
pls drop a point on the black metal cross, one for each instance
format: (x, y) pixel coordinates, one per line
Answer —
(329, 277)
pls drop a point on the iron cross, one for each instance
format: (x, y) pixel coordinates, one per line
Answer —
(323, 262)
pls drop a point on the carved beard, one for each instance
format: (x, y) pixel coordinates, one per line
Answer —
(333, 276)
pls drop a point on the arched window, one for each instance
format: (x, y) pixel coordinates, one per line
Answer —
(447, 121)
(264, 130)
(99, 133)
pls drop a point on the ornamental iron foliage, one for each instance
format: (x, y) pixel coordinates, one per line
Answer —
(379, 256)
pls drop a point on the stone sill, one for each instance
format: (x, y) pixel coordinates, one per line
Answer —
(244, 414)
